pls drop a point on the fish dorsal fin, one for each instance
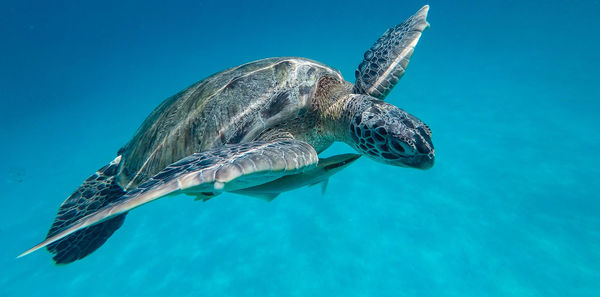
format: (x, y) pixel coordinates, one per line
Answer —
(324, 185)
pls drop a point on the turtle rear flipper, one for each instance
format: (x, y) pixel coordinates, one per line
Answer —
(95, 193)
(385, 62)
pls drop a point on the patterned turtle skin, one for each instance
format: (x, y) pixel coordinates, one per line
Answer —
(251, 128)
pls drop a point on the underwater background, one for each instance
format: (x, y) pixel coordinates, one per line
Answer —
(509, 88)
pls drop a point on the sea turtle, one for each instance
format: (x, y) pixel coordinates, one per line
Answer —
(255, 129)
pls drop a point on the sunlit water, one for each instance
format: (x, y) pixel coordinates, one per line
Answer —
(509, 88)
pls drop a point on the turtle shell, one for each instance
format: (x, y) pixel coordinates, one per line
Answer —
(232, 106)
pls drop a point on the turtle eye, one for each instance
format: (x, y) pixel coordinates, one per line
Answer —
(397, 146)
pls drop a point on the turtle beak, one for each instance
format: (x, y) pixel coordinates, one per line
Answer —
(424, 161)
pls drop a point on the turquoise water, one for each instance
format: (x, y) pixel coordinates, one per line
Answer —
(510, 90)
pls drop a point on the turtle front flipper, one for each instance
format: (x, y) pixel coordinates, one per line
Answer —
(227, 168)
(385, 62)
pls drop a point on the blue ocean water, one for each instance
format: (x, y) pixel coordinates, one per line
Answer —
(509, 88)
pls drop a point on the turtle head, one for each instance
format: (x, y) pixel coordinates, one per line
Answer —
(390, 135)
